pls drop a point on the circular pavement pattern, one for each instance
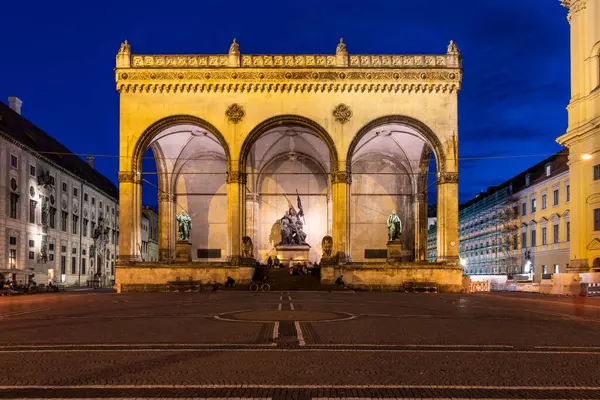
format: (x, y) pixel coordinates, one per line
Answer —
(284, 315)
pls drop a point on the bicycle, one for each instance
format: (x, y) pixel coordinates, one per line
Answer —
(263, 287)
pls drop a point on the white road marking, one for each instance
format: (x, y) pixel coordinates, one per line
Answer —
(459, 346)
(258, 386)
(125, 345)
(279, 307)
(290, 298)
(291, 307)
(299, 332)
(145, 398)
(568, 347)
(17, 313)
(276, 330)
(280, 298)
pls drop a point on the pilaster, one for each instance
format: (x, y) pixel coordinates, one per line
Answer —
(252, 216)
(236, 201)
(420, 211)
(130, 201)
(340, 183)
(166, 226)
(447, 217)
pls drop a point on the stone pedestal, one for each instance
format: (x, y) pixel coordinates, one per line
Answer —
(183, 251)
(328, 261)
(396, 252)
(298, 253)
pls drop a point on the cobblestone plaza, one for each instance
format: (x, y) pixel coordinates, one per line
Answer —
(298, 345)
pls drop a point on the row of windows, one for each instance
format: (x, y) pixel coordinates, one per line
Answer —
(555, 201)
(555, 235)
(14, 162)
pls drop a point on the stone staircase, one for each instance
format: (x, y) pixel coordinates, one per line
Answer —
(281, 280)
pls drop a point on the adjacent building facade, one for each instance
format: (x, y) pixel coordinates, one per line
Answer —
(583, 133)
(149, 234)
(521, 226)
(544, 217)
(58, 215)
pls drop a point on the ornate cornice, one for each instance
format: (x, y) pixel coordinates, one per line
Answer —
(294, 80)
(292, 61)
(447, 177)
(574, 7)
(237, 177)
(341, 177)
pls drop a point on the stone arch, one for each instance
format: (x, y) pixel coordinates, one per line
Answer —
(291, 120)
(430, 138)
(146, 138)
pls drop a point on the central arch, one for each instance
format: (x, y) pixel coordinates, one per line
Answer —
(286, 158)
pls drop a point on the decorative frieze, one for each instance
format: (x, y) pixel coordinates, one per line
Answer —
(288, 61)
(341, 177)
(237, 177)
(447, 177)
(288, 88)
(232, 74)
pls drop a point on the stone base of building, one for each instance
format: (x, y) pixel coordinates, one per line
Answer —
(183, 251)
(297, 253)
(141, 277)
(393, 276)
(579, 265)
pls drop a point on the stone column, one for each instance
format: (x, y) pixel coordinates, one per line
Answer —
(340, 182)
(236, 201)
(420, 210)
(166, 226)
(447, 217)
(130, 211)
(329, 212)
(252, 212)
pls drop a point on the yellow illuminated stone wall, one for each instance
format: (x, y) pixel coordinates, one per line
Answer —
(237, 97)
(583, 134)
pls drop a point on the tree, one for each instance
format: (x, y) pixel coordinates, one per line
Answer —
(508, 229)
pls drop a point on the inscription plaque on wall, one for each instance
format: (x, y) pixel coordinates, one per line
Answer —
(209, 253)
(375, 253)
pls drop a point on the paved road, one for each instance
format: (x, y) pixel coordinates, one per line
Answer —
(299, 345)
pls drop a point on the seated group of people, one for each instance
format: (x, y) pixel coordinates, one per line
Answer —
(300, 269)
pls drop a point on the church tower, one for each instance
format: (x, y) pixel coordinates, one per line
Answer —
(583, 136)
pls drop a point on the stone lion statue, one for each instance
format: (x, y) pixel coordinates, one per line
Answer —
(247, 247)
(327, 245)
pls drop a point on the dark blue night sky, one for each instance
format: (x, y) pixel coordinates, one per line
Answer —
(58, 57)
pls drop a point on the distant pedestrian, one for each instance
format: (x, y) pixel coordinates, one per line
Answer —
(270, 262)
